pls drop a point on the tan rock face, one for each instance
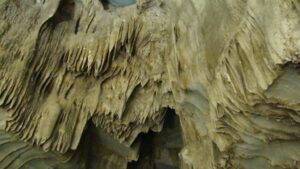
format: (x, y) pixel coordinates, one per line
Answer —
(191, 84)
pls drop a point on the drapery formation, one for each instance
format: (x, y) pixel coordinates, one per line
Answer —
(230, 69)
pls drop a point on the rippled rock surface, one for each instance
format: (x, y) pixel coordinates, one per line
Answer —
(150, 84)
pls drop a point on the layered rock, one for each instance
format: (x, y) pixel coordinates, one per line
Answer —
(77, 70)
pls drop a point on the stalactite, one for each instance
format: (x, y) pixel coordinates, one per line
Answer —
(91, 73)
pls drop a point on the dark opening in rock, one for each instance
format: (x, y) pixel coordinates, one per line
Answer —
(160, 150)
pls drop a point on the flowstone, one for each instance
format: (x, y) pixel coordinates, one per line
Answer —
(149, 84)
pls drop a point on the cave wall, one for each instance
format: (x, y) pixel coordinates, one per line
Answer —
(100, 73)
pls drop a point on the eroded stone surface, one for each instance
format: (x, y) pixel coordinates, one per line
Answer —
(73, 70)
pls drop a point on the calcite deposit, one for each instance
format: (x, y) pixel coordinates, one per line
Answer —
(150, 84)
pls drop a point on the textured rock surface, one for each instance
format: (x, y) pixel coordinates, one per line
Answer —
(82, 80)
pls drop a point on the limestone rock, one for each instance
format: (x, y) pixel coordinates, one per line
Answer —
(165, 84)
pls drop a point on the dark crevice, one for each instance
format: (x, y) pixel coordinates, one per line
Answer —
(77, 25)
(93, 144)
(105, 4)
(66, 10)
(160, 150)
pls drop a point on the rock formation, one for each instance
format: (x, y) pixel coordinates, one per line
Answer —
(150, 84)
